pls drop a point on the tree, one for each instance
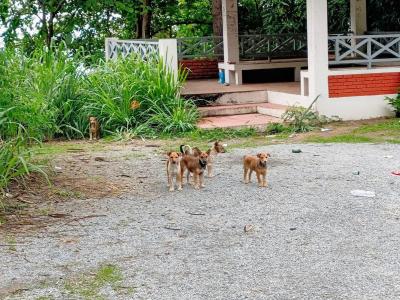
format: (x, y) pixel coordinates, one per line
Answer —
(217, 17)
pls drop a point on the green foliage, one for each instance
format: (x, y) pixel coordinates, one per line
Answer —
(220, 134)
(275, 128)
(394, 102)
(16, 160)
(138, 96)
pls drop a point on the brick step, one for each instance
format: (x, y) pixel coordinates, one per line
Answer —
(271, 109)
(256, 120)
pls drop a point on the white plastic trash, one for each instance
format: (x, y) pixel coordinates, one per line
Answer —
(362, 193)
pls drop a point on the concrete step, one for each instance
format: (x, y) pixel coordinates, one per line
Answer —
(274, 110)
(242, 98)
(258, 121)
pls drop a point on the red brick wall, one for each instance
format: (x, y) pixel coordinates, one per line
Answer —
(364, 84)
(200, 68)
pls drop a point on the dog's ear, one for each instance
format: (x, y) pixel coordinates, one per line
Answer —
(216, 143)
(269, 155)
(259, 155)
(169, 153)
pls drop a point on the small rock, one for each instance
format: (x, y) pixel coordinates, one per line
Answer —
(292, 228)
(98, 158)
(8, 195)
(247, 228)
(296, 151)
(356, 173)
(325, 129)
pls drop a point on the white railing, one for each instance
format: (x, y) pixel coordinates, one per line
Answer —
(145, 48)
(255, 46)
(365, 49)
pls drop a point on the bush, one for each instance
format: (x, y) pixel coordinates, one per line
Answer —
(16, 160)
(51, 93)
(139, 96)
(275, 128)
(395, 103)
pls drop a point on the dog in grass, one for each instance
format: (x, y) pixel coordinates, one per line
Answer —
(195, 164)
(256, 164)
(94, 128)
(216, 148)
(174, 170)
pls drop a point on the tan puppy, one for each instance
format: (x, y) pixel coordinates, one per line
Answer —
(212, 153)
(174, 169)
(257, 164)
(94, 128)
(196, 165)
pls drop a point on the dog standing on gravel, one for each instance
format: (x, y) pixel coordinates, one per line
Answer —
(216, 148)
(257, 164)
(195, 164)
(174, 170)
(94, 128)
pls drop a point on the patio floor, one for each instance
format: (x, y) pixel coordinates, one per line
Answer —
(211, 86)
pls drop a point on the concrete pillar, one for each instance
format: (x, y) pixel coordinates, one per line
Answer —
(358, 16)
(231, 35)
(168, 51)
(317, 40)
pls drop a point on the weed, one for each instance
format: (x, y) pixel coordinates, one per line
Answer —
(275, 128)
(89, 287)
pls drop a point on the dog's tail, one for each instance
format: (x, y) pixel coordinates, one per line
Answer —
(186, 149)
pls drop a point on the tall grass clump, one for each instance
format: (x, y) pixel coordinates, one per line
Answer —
(41, 92)
(137, 95)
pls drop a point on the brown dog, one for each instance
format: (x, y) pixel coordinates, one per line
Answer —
(196, 165)
(257, 164)
(217, 148)
(94, 128)
(174, 169)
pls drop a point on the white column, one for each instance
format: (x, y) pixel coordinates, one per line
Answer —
(231, 35)
(168, 50)
(317, 40)
(358, 16)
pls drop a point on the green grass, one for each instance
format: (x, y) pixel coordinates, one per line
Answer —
(387, 131)
(345, 138)
(391, 127)
(88, 287)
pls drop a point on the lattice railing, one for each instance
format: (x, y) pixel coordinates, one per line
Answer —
(123, 48)
(257, 46)
(270, 46)
(365, 49)
(200, 47)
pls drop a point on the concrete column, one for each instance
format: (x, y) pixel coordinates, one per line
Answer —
(317, 40)
(231, 35)
(358, 16)
(168, 51)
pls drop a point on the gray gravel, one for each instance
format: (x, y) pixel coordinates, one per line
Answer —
(311, 238)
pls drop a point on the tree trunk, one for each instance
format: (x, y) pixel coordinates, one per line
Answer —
(217, 17)
(146, 22)
(50, 30)
(139, 26)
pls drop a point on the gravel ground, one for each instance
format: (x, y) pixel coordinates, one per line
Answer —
(312, 239)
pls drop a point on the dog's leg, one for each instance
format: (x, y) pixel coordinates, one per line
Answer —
(260, 182)
(170, 182)
(202, 180)
(181, 173)
(264, 177)
(90, 135)
(250, 172)
(245, 174)
(179, 180)
(196, 181)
